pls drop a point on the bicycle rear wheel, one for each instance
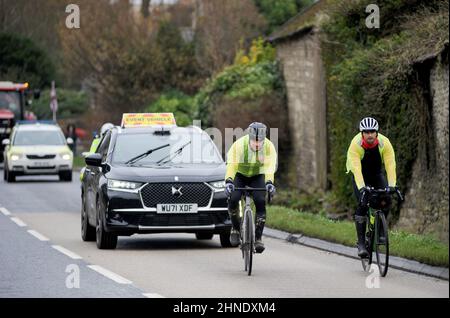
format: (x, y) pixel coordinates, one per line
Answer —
(382, 243)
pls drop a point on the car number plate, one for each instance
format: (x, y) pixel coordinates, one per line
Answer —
(41, 164)
(177, 208)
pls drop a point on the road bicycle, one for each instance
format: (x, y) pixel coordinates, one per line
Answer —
(377, 234)
(248, 228)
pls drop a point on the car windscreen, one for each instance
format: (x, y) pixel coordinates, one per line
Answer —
(195, 148)
(38, 137)
(10, 101)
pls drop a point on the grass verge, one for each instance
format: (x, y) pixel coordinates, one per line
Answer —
(422, 248)
(78, 162)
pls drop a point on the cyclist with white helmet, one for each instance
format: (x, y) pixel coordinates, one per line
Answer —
(251, 161)
(367, 153)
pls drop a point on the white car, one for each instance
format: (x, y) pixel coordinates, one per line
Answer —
(37, 149)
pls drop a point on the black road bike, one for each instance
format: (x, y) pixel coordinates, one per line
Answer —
(248, 228)
(377, 236)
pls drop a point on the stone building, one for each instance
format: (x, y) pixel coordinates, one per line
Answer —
(298, 50)
(426, 208)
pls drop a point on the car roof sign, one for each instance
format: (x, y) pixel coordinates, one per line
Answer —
(135, 120)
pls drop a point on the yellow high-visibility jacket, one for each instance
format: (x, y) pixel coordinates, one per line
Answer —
(356, 152)
(92, 150)
(240, 158)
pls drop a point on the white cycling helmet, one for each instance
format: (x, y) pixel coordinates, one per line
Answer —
(368, 123)
(105, 128)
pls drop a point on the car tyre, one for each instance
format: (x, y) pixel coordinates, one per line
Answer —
(65, 176)
(204, 236)
(9, 175)
(105, 240)
(225, 239)
(87, 230)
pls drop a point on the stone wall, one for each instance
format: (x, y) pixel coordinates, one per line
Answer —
(426, 207)
(300, 58)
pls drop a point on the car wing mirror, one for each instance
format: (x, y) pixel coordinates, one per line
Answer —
(94, 160)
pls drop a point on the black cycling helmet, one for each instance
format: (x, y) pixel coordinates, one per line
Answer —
(257, 131)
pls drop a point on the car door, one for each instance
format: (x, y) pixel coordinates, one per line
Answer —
(92, 177)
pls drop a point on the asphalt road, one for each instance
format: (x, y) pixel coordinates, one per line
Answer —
(164, 265)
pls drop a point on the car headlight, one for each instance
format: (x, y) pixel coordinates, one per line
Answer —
(66, 156)
(218, 185)
(123, 185)
(15, 157)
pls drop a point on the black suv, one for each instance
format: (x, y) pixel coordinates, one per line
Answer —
(154, 180)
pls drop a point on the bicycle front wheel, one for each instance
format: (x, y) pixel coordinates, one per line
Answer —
(382, 243)
(244, 241)
(250, 240)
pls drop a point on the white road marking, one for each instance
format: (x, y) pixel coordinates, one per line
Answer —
(150, 295)
(5, 211)
(117, 278)
(66, 252)
(19, 222)
(38, 235)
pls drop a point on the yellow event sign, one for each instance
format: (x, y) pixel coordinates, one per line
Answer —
(148, 119)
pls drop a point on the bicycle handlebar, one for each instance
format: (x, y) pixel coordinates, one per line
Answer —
(269, 199)
(250, 189)
(371, 190)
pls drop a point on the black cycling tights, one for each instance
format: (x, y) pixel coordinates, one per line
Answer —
(377, 181)
(257, 181)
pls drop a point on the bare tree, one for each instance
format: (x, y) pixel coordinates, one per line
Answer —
(145, 8)
(221, 25)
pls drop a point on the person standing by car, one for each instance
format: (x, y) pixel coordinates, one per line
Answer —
(251, 161)
(367, 153)
(95, 144)
(71, 133)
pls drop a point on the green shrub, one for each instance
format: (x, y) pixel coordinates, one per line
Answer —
(251, 76)
(70, 104)
(21, 60)
(175, 102)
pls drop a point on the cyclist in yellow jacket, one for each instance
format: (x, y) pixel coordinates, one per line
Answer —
(251, 161)
(367, 153)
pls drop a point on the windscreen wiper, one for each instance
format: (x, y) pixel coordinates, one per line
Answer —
(145, 154)
(172, 155)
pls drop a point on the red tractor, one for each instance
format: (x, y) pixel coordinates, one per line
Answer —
(13, 98)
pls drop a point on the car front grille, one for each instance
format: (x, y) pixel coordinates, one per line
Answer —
(36, 157)
(163, 193)
(41, 168)
(198, 219)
